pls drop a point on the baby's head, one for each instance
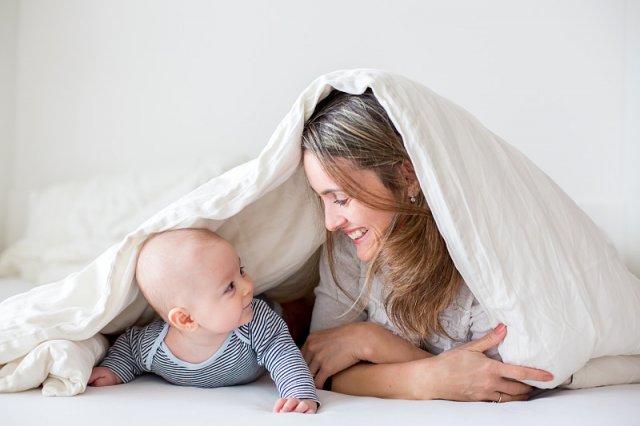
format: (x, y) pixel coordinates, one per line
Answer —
(193, 278)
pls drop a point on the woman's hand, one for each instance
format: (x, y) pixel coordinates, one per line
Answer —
(330, 351)
(466, 374)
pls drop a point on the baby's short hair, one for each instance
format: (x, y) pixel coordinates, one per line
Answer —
(159, 262)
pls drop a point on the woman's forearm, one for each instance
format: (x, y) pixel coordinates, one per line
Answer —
(380, 346)
(330, 351)
(464, 373)
(395, 381)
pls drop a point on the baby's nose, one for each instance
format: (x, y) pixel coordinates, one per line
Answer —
(248, 287)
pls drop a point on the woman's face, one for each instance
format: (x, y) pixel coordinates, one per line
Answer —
(362, 224)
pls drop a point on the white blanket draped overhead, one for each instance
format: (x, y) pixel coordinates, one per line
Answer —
(533, 259)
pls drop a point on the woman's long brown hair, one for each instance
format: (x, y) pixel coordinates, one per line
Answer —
(419, 275)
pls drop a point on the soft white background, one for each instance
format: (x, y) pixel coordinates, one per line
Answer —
(101, 87)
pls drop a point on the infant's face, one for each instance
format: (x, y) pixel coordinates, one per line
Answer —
(223, 301)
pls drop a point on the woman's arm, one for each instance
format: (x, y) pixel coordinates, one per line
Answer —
(460, 374)
(398, 369)
(328, 352)
(340, 336)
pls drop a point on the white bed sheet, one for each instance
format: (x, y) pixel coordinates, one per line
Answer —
(150, 400)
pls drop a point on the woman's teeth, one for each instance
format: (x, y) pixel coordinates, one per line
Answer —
(358, 233)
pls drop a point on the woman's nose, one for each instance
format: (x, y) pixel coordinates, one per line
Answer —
(332, 220)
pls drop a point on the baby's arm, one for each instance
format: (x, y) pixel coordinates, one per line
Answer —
(295, 405)
(276, 351)
(102, 376)
(123, 361)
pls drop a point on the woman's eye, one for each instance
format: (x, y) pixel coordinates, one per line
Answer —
(230, 288)
(340, 202)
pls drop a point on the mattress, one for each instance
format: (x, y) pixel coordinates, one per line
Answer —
(150, 400)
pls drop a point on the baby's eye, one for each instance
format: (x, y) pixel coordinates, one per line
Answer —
(242, 271)
(230, 287)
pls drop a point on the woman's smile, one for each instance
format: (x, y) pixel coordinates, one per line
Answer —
(357, 234)
(362, 224)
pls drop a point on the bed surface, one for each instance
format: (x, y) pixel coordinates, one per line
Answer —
(150, 398)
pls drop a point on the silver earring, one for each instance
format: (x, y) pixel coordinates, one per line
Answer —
(412, 199)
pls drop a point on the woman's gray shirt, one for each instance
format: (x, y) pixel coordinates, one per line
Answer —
(464, 320)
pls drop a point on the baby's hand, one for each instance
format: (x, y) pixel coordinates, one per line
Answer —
(102, 376)
(295, 405)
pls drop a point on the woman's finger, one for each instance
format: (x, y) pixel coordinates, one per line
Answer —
(319, 378)
(523, 397)
(501, 397)
(519, 373)
(488, 341)
(514, 388)
(314, 366)
(306, 354)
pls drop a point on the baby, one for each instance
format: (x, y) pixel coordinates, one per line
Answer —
(212, 332)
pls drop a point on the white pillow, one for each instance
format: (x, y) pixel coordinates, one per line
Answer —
(71, 223)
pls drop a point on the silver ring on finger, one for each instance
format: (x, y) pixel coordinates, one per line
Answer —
(499, 398)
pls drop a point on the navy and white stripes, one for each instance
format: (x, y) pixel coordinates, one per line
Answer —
(263, 343)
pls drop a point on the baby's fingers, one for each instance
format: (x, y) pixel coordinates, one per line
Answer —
(294, 405)
(285, 405)
(302, 407)
(307, 406)
(279, 404)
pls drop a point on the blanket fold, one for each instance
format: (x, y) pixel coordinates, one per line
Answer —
(533, 259)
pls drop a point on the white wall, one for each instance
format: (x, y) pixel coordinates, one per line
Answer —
(8, 46)
(631, 151)
(110, 86)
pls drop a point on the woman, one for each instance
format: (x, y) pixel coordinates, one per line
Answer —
(390, 296)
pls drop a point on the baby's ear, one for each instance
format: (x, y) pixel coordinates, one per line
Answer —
(181, 319)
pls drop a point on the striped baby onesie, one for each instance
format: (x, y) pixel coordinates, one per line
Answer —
(264, 342)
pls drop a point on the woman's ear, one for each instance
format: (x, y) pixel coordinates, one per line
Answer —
(181, 319)
(410, 178)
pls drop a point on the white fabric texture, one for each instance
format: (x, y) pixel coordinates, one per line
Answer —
(531, 257)
(250, 405)
(70, 223)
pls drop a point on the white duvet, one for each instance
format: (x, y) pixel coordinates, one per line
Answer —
(533, 259)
